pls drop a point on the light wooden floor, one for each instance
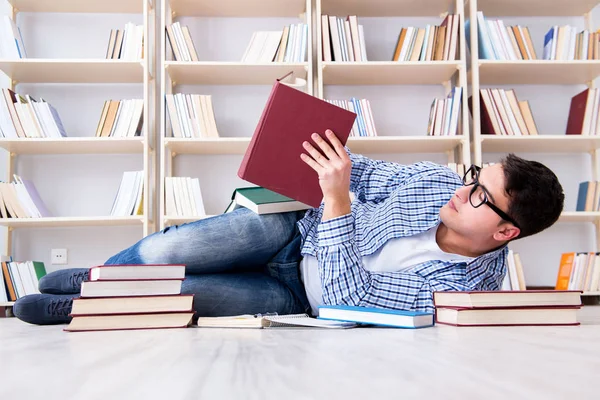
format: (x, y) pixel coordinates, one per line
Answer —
(441, 362)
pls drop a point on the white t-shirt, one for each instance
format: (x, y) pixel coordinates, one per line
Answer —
(395, 255)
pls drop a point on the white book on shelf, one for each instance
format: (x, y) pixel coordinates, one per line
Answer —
(26, 278)
(350, 46)
(212, 122)
(186, 196)
(342, 38)
(304, 51)
(25, 201)
(140, 193)
(6, 124)
(509, 49)
(197, 192)
(455, 113)
(190, 195)
(249, 46)
(297, 47)
(25, 120)
(363, 49)
(177, 194)
(511, 115)
(350, 106)
(325, 38)
(183, 50)
(410, 31)
(137, 117)
(496, 41)
(58, 125)
(3, 294)
(335, 39)
(169, 197)
(183, 115)
(289, 49)
(46, 124)
(176, 128)
(354, 34)
(9, 43)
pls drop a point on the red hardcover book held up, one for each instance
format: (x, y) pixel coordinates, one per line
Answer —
(289, 118)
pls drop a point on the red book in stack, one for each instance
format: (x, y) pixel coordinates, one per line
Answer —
(507, 308)
(132, 297)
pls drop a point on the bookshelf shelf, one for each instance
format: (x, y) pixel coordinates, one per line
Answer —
(239, 8)
(579, 216)
(71, 222)
(535, 8)
(39, 70)
(74, 145)
(538, 72)
(382, 8)
(230, 73)
(79, 6)
(7, 304)
(540, 143)
(225, 145)
(404, 144)
(388, 72)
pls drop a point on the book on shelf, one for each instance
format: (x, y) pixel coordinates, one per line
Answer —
(263, 201)
(583, 113)
(289, 118)
(500, 42)
(566, 44)
(259, 321)
(20, 199)
(444, 114)
(503, 114)
(364, 125)
(20, 278)
(515, 276)
(25, 117)
(191, 116)
(588, 196)
(181, 42)
(144, 296)
(579, 271)
(377, 316)
(121, 118)
(507, 308)
(11, 41)
(342, 39)
(432, 43)
(129, 198)
(126, 44)
(286, 45)
(183, 197)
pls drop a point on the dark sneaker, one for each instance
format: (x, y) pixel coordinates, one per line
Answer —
(44, 309)
(64, 281)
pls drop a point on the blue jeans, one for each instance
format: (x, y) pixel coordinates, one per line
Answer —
(236, 263)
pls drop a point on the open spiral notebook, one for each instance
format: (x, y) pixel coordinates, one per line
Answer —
(271, 321)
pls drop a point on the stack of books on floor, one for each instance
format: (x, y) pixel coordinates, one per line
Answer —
(507, 308)
(132, 297)
(25, 117)
(20, 199)
(127, 44)
(588, 196)
(192, 116)
(564, 43)
(364, 125)
(343, 39)
(432, 43)
(129, 199)
(500, 42)
(503, 114)
(18, 279)
(579, 271)
(121, 118)
(183, 197)
(287, 45)
(11, 42)
(583, 113)
(445, 114)
(181, 43)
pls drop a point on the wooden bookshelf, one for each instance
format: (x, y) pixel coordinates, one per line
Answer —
(38, 70)
(74, 145)
(67, 222)
(580, 216)
(538, 72)
(535, 8)
(540, 143)
(230, 73)
(207, 146)
(405, 144)
(238, 8)
(7, 304)
(79, 6)
(392, 8)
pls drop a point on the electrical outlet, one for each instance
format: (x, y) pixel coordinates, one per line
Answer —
(58, 256)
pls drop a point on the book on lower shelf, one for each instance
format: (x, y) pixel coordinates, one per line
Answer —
(579, 271)
(181, 42)
(20, 278)
(503, 114)
(364, 125)
(126, 44)
(507, 308)
(377, 316)
(121, 118)
(20, 199)
(565, 43)
(444, 114)
(191, 116)
(259, 321)
(183, 197)
(145, 296)
(129, 198)
(263, 201)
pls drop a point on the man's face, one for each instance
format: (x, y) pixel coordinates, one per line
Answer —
(481, 223)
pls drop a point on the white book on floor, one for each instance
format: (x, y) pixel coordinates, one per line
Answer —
(259, 321)
(154, 287)
(124, 272)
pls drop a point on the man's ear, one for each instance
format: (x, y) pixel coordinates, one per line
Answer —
(506, 232)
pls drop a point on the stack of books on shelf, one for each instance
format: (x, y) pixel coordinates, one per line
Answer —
(288, 45)
(364, 125)
(564, 43)
(127, 44)
(18, 279)
(500, 42)
(181, 43)
(129, 199)
(11, 42)
(20, 199)
(132, 297)
(583, 113)
(588, 197)
(445, 114)
(507, 308)
(25, 117)
(579, 271)
(342, 39)
(515, 276)
(503, 114)
(192, 116)
(121, 118)
(432, 43)
(183, 197)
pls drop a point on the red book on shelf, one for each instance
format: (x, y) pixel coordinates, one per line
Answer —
(289, 118)
(579, 111)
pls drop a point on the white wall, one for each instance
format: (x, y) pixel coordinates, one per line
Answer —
(86, 185)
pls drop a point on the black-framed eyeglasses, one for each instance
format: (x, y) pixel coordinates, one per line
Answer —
(477, 198)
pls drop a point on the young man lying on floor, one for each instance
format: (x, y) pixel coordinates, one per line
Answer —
(410, 230)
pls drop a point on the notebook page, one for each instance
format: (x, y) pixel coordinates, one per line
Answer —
(303, 320)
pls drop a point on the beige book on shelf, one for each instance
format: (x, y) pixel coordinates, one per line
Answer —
(589, 268)
(406, 45)
(102, 118)
(420, 38)
(529, 42)
(513, 41)
(190, 195)
(514, 105)
(561, 42)
(439, 117)
(497, 99)
(283, 44)
(511, 116)
(528, 116)
(431, 43)
(335, 38)
(190, 43)
(595, 281)
(170, 208)
(348, 37)
(520, 272)
(197, 194)
(118, 44)
(10, 98)
(354, 33)
(201, 114)
(3, 209)
(175, 125)
(448, 24)
(401, 38)
(173, 43)
(325, 38)
(203, 109)
(520, 42)
(6, 201)
(10, 193)
(110, 118)
(439, 43)
(211, 114)
(454, 37)
(111, 44)
(431, 121)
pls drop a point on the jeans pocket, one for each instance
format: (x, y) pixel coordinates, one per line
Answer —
(289, 275)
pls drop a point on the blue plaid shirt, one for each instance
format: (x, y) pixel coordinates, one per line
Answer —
(392, 201)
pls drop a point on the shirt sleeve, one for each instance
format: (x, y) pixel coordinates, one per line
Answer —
(345, 282)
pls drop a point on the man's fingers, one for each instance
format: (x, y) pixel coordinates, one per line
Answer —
(329, 152)
(337, 145)
(315, 154)
(312, 163)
